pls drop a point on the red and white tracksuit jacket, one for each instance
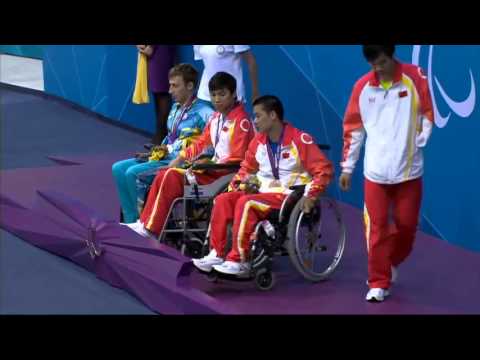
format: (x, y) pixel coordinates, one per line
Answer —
(301, 163)
(397, 124)
(229, 136)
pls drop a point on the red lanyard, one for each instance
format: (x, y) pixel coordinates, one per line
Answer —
(220, 127)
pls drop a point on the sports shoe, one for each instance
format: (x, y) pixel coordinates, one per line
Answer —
(377, 295)
(136, 224)
(139, 228)
(233, 268)
(206, 263)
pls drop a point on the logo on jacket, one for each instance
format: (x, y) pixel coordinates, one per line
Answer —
(462, 108)
(306, 139)
(245, 125)
(371, 100)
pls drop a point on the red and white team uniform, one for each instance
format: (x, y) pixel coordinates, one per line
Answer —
(397, 122)
(229, 136)
(298, 162)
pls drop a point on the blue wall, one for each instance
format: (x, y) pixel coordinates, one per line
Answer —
(98, 77)
(315, 82)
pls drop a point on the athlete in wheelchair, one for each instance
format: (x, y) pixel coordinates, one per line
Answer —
(275, 207)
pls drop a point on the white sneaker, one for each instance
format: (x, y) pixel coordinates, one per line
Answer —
(233, 268)
(394, 277)
(133, 225)
(139, 228)
(377, 294)
(207, 262)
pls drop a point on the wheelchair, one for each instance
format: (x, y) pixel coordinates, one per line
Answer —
(189, 216)
(313, 242)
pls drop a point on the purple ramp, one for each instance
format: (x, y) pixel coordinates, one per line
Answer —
(157, 281)
(151, 271)
(5, 200)
(83, 216)
(42, 231)
(58, 224)
(155, 273)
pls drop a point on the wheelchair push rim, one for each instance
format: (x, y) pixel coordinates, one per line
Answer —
(308, 236)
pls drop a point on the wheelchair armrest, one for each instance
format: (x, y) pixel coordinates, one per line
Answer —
(228, 166)
(203, 156)
(324, 146)
(298, 188)
(148, 146)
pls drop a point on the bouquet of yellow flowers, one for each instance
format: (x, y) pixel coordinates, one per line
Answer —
(251, 185)
(158, 153)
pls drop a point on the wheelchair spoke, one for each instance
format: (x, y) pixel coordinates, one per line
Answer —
(312, 239)
(321, 248)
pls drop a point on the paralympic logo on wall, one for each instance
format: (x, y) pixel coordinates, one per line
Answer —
(463, 108)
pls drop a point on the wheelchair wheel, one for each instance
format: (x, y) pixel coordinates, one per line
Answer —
(193, 248)
(316, 241)
(212, 277)
(265, 280)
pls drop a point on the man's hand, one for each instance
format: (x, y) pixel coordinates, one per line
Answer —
(145, 49)
(308, 204)
(249, 189)
(176, 162)
(250, 185)
(148, 50)
(345, 181)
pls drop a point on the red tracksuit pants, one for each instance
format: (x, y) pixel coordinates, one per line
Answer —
(167, 186)
(245, 211)
(389, 244)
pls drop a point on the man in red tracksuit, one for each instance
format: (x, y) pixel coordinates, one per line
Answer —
(229, 131)
(280, 156)
(391, 106)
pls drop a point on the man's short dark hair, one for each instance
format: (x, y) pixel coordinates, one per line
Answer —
(222, 80)
(270, 103)
(372, 52)
(186, 71)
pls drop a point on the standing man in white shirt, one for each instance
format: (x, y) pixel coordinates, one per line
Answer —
(226, 58)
